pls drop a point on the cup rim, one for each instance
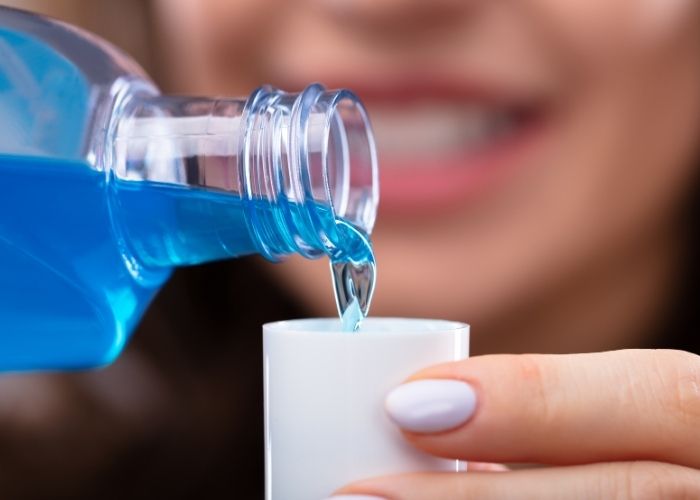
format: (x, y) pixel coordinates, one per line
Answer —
(372, 325)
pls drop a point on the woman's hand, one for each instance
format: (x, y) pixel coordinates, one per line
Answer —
(623, 425)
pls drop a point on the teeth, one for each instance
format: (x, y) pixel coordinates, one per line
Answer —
(430, 129)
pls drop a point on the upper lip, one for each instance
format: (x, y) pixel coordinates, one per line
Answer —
(408, 88)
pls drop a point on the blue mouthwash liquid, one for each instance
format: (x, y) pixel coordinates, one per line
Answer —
(67, 294)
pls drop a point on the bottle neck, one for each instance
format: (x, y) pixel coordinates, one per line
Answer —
(293, 164)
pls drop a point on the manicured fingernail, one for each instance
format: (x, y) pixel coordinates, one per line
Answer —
(354, 497)
(431, 405)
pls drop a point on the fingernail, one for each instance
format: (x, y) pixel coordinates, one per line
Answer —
(355, 497)
(431, 405)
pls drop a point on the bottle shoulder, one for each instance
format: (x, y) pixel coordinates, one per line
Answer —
(57, 85)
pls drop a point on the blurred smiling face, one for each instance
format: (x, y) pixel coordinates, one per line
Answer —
(525, 147)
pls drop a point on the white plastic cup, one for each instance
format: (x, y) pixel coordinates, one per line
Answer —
(325, 423)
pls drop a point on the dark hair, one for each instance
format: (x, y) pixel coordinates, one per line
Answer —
(680, 327)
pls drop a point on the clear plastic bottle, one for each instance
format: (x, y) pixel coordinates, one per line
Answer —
(106, 185)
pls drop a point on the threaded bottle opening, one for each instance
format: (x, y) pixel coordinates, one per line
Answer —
(347, 160)
(311, 157)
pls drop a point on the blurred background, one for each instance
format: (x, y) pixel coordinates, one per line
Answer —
(539, 166)
(126, 24)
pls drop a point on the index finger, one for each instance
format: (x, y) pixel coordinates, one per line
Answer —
(561, 409)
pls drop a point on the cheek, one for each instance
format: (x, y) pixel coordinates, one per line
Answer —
(633, 94)
(599, 31)
(658, 20)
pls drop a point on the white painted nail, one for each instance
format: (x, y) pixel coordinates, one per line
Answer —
(355, 497)
(431, 405)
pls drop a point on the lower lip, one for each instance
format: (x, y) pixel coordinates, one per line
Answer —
(410, 187)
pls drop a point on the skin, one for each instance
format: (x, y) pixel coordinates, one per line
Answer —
(576, 251)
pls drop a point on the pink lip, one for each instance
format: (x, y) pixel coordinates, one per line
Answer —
(429, 84)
